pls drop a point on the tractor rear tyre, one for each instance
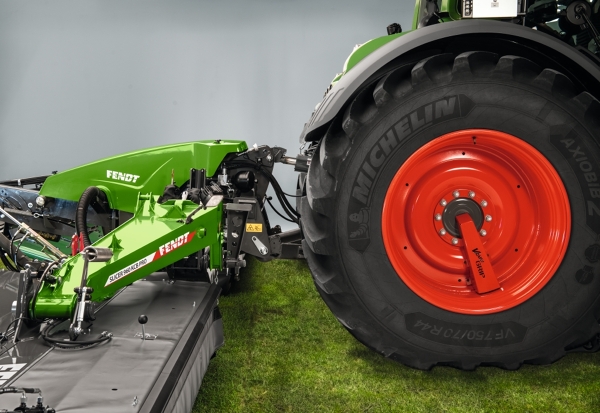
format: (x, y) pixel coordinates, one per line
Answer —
(511, 144)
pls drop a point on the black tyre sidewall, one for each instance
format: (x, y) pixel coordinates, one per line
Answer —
(557, 317)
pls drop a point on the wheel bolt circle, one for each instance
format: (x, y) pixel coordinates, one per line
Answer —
(444, 204)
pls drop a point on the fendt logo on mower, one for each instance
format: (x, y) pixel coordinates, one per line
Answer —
(162, 251)
(174, 244)
(121, 176)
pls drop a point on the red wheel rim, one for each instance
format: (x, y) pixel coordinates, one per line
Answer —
(526, 234)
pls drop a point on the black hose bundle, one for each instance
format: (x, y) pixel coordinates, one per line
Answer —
(19, 390)
(72, 345)
(94, 197)
(290, 211)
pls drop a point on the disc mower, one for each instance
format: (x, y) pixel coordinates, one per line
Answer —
(448, 199)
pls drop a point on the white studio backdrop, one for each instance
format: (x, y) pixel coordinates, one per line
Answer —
(83, 80)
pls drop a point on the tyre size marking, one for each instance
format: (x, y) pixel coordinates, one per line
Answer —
(161, 252)
(585, 168)
(7, 371)
(490, 335)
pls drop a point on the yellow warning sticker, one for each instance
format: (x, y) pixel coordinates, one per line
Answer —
(253, 227)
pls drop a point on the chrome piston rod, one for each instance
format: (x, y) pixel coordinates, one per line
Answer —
(22, 227)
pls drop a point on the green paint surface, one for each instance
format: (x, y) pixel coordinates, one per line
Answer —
(141, 246)
(451, 7)
(123, 177)
(415, 21)
(366, 49)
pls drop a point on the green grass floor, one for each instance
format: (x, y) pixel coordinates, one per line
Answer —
(285, 352)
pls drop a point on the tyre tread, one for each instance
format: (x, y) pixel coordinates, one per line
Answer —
(317, 208)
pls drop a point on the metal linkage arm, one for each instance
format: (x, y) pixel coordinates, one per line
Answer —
(22, 227)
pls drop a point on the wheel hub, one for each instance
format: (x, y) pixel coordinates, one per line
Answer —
(457, 207)
(463, 200)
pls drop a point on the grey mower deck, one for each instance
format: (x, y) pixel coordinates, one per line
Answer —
(126, 374)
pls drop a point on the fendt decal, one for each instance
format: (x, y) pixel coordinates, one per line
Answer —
(161, 252)
(7, 371)
(121, 176)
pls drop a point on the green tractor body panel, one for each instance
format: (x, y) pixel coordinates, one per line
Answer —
(155, 237)
(450, 7)
(366, 49)
(416, 14)
(123, 177)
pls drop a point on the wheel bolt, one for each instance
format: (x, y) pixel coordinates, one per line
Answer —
(455, 194)
(438, 217)
(442, 232)
(483, 232)
(471, 194)
(454, 241)
(484, 203)
(443, 202)
(488, 218)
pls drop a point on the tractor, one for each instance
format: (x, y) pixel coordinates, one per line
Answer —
(448, 198)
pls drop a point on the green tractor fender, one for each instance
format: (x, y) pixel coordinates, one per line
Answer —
(540, 47)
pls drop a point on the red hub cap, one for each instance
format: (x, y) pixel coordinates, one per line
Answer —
(516, 201)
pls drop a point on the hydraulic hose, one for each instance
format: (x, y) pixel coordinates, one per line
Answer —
(90, 197)
(285, 204)
(19, 390)
(12, 250)
(72, 345)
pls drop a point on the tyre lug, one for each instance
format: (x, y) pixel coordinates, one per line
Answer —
(454, 241)
(471, 194)
(488, 218)
(442, 232)
(483, 232)
(484, 203)
(438, 217)
(455, 194)
(443, 202)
